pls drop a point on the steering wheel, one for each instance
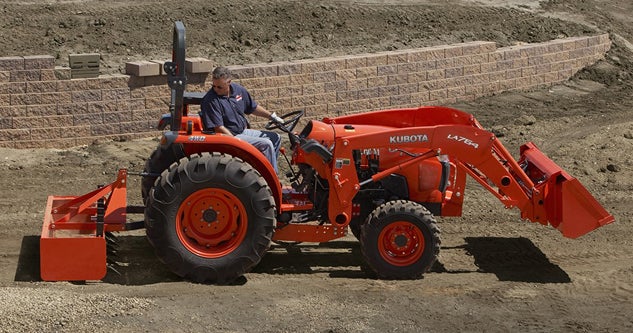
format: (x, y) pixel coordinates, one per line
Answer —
(290, 121)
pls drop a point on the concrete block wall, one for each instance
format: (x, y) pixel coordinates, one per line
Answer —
(48, 109)
(40, 106)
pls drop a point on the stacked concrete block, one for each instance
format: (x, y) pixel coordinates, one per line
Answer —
(41, 106)
(84, 65)
(142, 68)
(198, 65)
(409, 78)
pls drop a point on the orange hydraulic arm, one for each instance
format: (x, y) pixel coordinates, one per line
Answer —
(538, 187)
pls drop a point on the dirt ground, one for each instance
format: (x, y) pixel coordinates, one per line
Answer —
(495, 273)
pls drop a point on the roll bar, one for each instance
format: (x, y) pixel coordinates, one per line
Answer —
(176, 78)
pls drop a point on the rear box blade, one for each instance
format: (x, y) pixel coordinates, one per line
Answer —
(70, 255)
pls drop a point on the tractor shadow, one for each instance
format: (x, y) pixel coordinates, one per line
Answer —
(337, 258)
(28, 268)
(513, 259)
(132, 261)
(510, 259)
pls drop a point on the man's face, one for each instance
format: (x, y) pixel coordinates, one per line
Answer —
(221, 86)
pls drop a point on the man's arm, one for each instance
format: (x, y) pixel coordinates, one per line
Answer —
(261, 112)
(211, 118)
(222, 130)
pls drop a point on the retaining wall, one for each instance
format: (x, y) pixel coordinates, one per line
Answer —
(41, 106)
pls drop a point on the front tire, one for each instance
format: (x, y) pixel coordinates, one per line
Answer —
(400, 240)
(210, 217)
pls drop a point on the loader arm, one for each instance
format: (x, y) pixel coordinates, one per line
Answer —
(534, 184)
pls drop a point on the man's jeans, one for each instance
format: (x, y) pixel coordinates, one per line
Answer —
(267, 142)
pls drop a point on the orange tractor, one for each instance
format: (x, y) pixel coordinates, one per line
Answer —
(213, 203)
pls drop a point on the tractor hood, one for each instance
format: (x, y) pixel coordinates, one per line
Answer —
(326, 134)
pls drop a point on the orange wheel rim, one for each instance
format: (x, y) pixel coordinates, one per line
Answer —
(401, 243)
(211, 223)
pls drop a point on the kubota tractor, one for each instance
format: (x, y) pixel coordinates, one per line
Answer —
(213, 203)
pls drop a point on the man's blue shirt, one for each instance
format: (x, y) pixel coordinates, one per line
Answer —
(228, 111)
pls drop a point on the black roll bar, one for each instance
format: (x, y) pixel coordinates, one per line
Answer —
(176, 78)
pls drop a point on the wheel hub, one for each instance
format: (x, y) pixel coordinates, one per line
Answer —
(400, 240)
(211, 222)
(401, 243)
(210, 215)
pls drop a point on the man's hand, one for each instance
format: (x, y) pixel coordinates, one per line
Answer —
(274, 117)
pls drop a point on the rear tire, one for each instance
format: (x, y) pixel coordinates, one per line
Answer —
(160, 159)
(210, 218)
(400, 240)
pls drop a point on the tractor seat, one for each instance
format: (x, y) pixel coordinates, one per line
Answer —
(192, 98)
(195, 98)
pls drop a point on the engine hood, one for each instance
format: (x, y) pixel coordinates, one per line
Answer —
(326, 134)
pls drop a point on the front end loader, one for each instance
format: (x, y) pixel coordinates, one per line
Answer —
(213, 204)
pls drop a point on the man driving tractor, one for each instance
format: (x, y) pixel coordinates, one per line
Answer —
(224, 109)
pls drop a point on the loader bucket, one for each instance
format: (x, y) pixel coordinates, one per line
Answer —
(566, 203)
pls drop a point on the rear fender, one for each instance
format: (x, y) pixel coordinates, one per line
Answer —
(200, 143)
(193, 122)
